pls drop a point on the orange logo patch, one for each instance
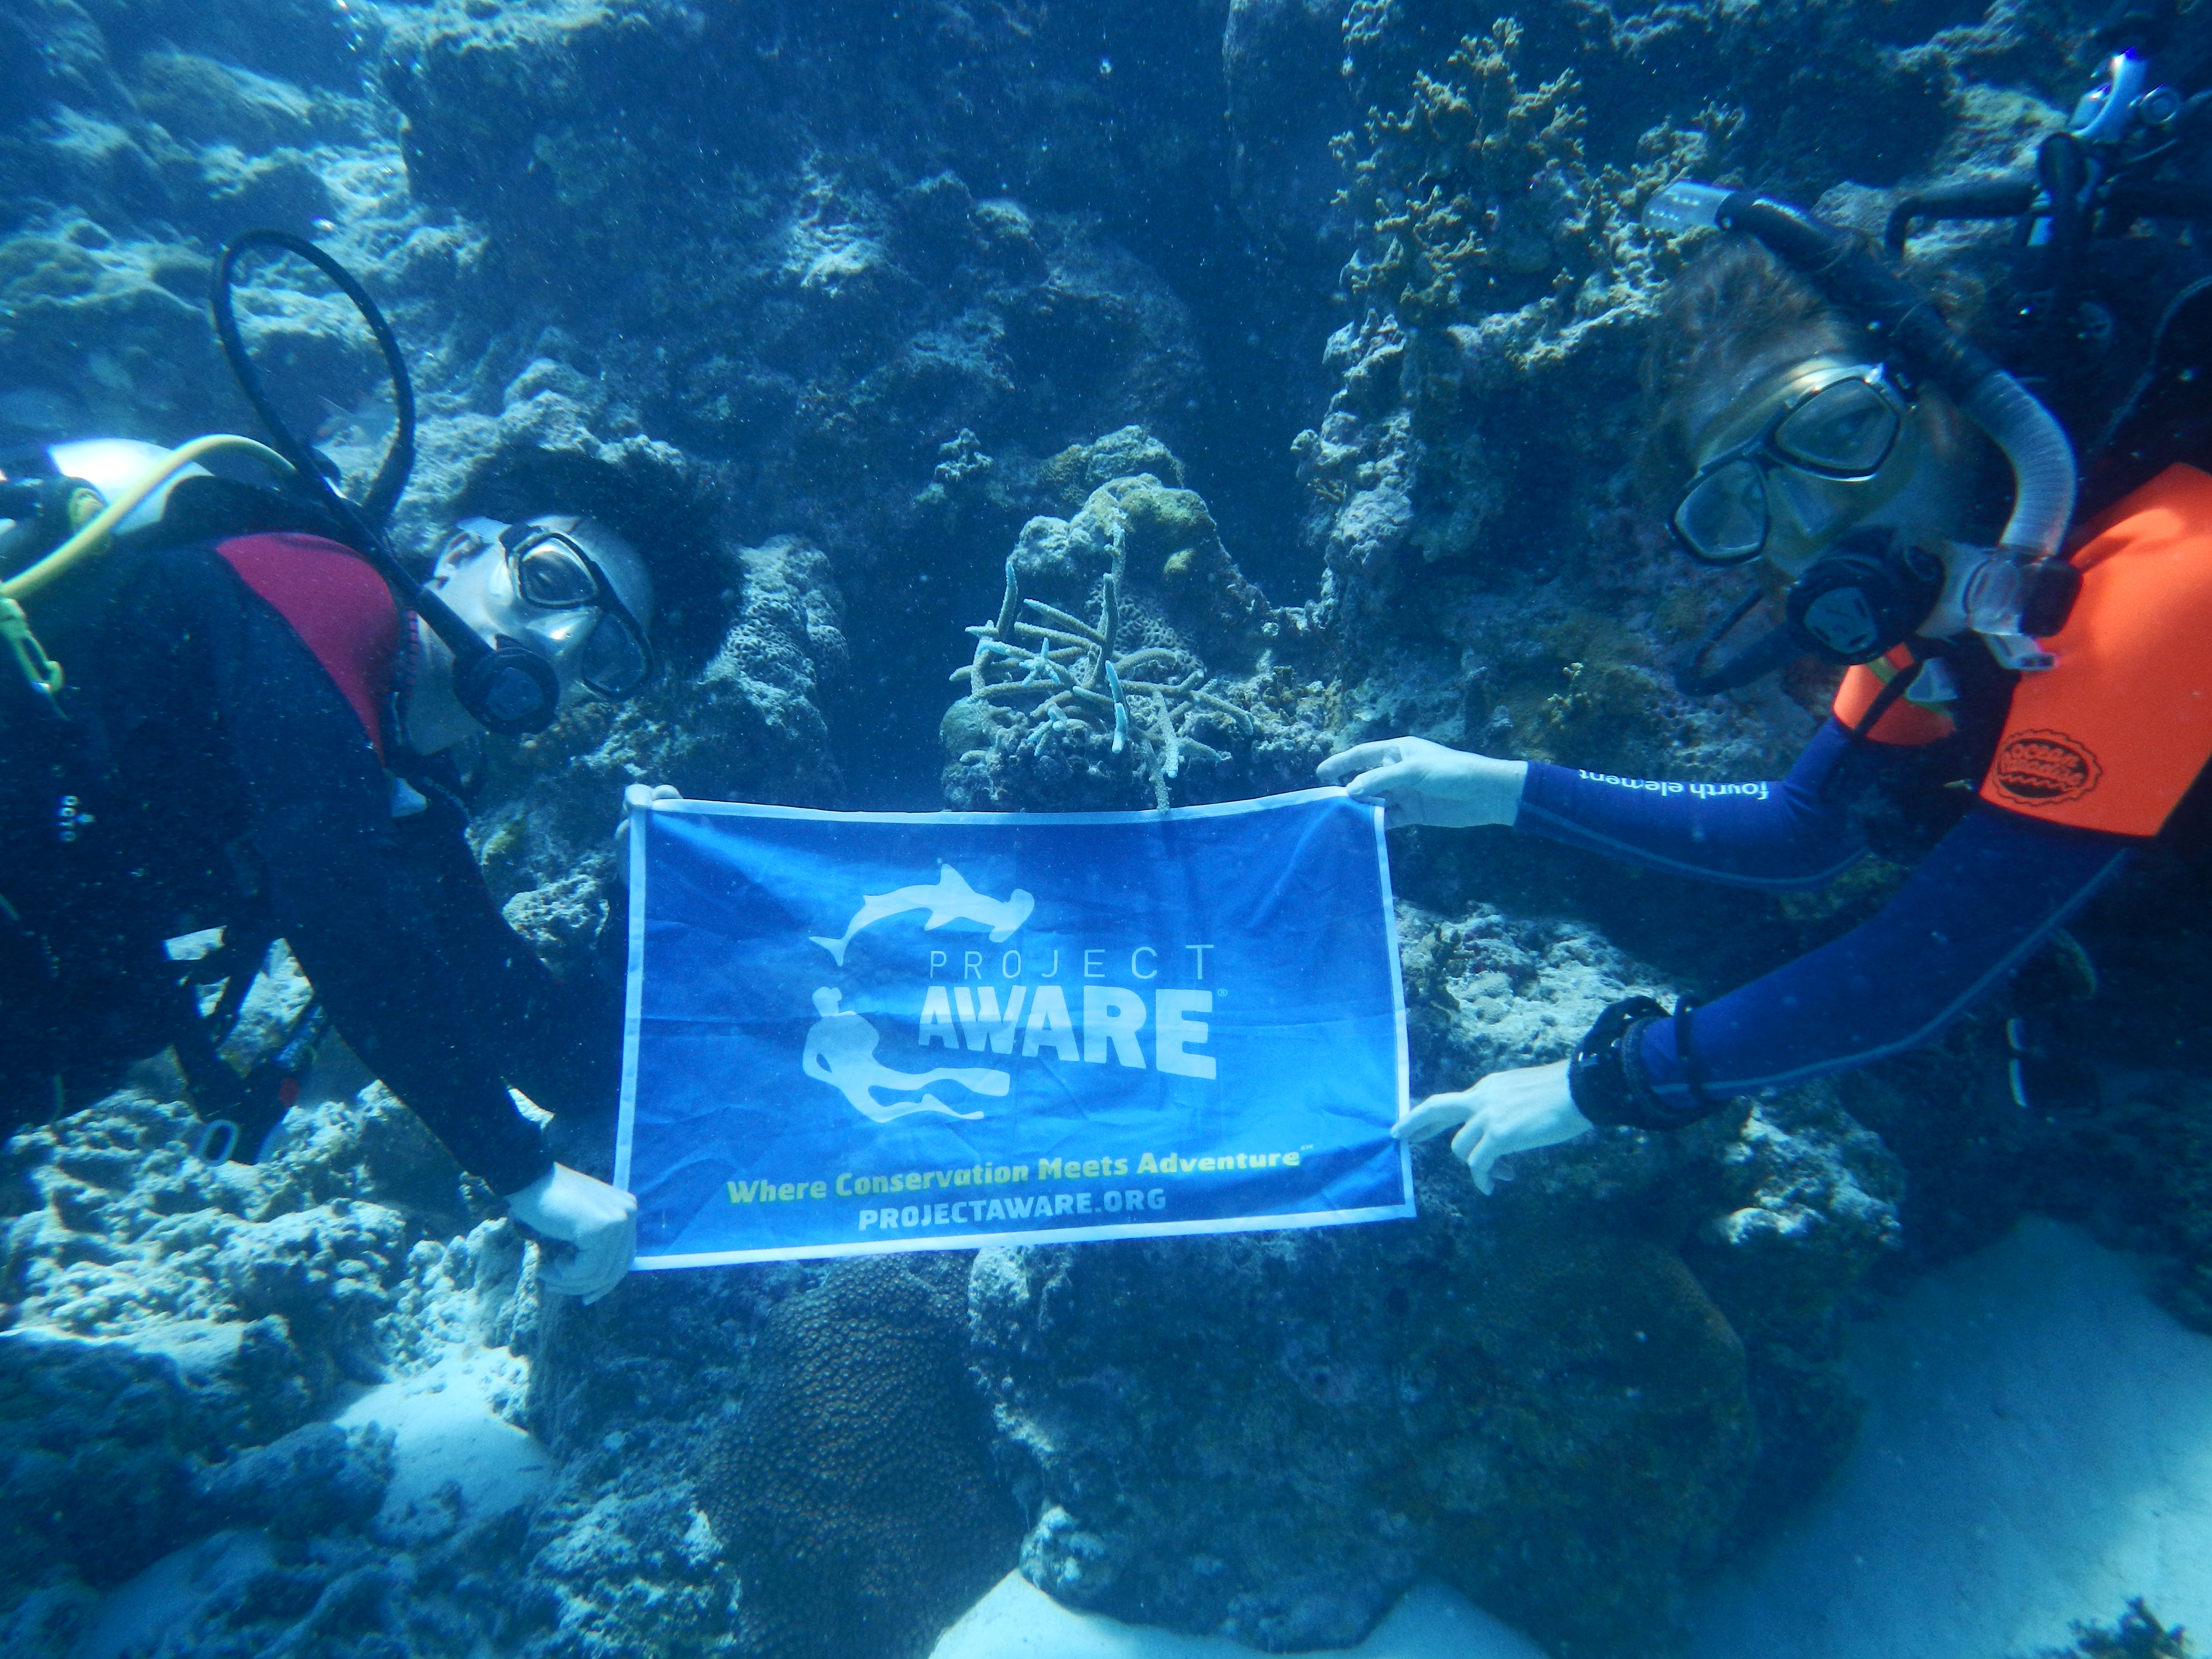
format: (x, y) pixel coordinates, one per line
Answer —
(2044, 768)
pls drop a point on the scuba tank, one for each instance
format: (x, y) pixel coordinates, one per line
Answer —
(67, 924)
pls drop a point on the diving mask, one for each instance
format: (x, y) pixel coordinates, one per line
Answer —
(561, 595)
(1817, 450)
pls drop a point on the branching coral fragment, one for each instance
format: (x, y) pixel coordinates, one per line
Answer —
(1051, 670)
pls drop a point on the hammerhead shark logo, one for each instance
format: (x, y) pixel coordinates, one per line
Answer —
(951, 899)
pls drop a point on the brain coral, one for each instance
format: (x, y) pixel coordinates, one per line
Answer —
(854, 1486)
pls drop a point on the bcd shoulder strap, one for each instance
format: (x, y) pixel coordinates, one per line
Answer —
(207, 508)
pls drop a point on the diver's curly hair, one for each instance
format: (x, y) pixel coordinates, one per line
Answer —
(1735, 310)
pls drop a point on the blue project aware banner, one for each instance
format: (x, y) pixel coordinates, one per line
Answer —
(857, 1032)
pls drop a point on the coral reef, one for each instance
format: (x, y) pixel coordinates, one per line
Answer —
(626, 1394)
(179, 1332)
(314, 1480)
(1049, 690)
(827, 320)
(2137, 1635)
(1462, 1394)
(1407, 1398)
(1506, 215)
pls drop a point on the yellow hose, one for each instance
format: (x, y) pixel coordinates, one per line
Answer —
(94, 535)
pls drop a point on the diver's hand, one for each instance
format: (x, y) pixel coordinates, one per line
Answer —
(596, 1222)
(1507, 1112)
(642, 795)
(1422, 782)
(637, 799)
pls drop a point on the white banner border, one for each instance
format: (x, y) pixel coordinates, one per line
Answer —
(633, 1004)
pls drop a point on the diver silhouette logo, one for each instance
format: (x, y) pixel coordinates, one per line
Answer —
(840, 1051)
(952, 899)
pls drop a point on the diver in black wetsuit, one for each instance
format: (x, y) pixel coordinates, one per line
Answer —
(265, 714)
(2058, 683)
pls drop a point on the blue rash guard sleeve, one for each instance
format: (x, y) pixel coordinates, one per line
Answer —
(1992, 891)
(1794, 833)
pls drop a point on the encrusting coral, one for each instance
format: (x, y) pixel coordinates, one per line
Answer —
(1469, 188)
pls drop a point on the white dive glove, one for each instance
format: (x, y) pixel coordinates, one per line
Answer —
(1507, 1112)
(597, 1223)
(1424, 783)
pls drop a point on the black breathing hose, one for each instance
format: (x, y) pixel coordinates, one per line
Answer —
(1833, 260)
(506, 688)
(400, 458)
(1762, 656)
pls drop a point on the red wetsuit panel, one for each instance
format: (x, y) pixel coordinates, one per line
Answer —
(339, 607)
(2112, 738)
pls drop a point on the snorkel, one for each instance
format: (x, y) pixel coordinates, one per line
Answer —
(1992, 598)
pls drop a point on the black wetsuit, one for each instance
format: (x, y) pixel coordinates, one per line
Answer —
(238, 783)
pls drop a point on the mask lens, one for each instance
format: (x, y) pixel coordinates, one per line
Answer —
(1816, 509)
(616, 662)
(1846, 430)
(550, 573)
(1723, 520)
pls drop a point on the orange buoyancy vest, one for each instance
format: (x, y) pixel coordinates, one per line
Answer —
(2111, 737)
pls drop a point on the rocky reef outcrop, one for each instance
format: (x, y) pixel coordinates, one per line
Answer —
(1088, 406)
(179, 1335)
(1269, 1436)
(1610, 1367)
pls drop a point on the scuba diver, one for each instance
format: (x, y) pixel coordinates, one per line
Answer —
(252, 732)
(2040, 706)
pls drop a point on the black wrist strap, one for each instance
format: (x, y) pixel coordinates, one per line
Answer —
(1605, 1076)
(1604, 1089)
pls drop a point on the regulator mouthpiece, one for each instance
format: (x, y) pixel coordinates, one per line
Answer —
(1993, 594)
(2107, 110)
(1684, 206)
(2014, 600)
